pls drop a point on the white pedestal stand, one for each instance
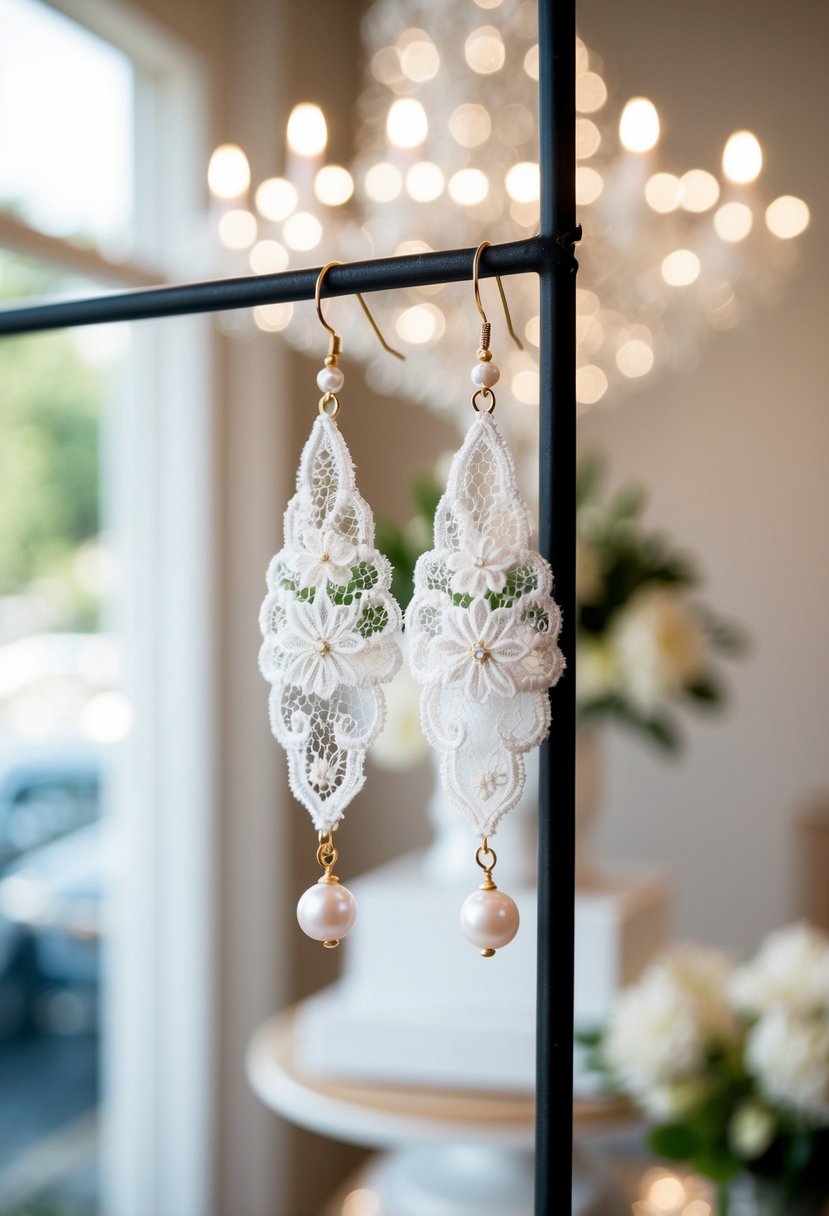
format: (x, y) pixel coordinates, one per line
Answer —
(447, 1154)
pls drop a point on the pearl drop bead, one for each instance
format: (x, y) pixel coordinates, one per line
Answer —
(489, 919)
(326, 911)
(330, 380)
(485, 375)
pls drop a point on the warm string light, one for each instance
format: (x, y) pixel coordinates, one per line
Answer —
(477, 162)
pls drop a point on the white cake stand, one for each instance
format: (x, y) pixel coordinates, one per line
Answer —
(447, 1153)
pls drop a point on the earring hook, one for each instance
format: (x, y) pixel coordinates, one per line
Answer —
(488, 245)
(335, 345)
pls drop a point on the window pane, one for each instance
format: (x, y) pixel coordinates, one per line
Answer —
(61, 711)
(65, 127)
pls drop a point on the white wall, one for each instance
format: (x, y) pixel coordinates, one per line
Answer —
(735, 456)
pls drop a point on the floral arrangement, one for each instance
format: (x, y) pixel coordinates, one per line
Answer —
(645, 645)
(730, 1064)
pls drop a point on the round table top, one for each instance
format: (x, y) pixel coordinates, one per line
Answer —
(384, 1116)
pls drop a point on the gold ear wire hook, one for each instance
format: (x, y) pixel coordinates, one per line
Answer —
(487, 245)
(335, 345)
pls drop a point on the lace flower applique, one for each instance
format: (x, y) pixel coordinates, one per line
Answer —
(483, 631)
(330, 627)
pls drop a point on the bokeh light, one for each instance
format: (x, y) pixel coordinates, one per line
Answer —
(588, 138)
(271, 318)
(680, 268)
(531, 62)
(525, 386)
(228, 173)
(523, 182)
(591, 384)
(419, 58)
(307, 130)
(787, 217)
(276, 198)
(591, 93)
(634, 358)
(589, 185)
(424, 181)
(470, 125)
(268, 257)
(468, 187)
(742, 158)
(484, 50)
(407, 125)
(663, 192)
(383, 182)
(302, 231)
(333, 185)
(639, 125)
(699, 190)
(420, 324)
(237, 229)
(733, 222)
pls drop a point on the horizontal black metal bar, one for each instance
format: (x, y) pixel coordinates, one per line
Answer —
(218, 295)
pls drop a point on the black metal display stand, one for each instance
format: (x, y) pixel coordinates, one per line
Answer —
(550, 255)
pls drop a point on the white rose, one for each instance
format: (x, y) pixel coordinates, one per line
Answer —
(788, 1052)
(703, 975)
(791, 969)
(654, 1038)
(751, 1130)
(662, 1028)
(668, 1103)
(659, 646)
(597, 670)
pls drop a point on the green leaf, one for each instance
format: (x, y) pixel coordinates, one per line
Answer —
(628, 503)
(673, 1141)
(716, 1164)
(706, 690)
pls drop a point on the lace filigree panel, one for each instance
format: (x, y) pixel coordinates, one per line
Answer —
(483, 632)
(330, 627)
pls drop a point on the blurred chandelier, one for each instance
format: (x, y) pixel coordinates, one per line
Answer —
(447, 156)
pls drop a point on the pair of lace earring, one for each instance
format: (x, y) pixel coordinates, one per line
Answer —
(483, 631)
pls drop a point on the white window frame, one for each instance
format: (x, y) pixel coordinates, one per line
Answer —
(159, 1065)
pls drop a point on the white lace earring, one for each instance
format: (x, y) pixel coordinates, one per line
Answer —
(483, 631)
(330, 626)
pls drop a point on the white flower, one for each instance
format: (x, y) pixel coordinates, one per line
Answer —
(788, 1052)
(597, 669)
(659, 646)
(751, 1130)
(320, 646)
(321, 774)
(480, 565)
(662, 1027)
(327, 556)
(654, 1038)
(489, 783)
(791, 969)
(704, 975)
(480, 647)
(667, 1103)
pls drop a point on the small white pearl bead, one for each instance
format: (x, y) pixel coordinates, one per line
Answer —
(326, 911)
(489, 919)
(330, 380)
(485, 375)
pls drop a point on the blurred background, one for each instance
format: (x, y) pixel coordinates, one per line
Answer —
(150, 853)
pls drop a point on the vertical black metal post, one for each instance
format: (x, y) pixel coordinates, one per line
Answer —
(557, 528)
